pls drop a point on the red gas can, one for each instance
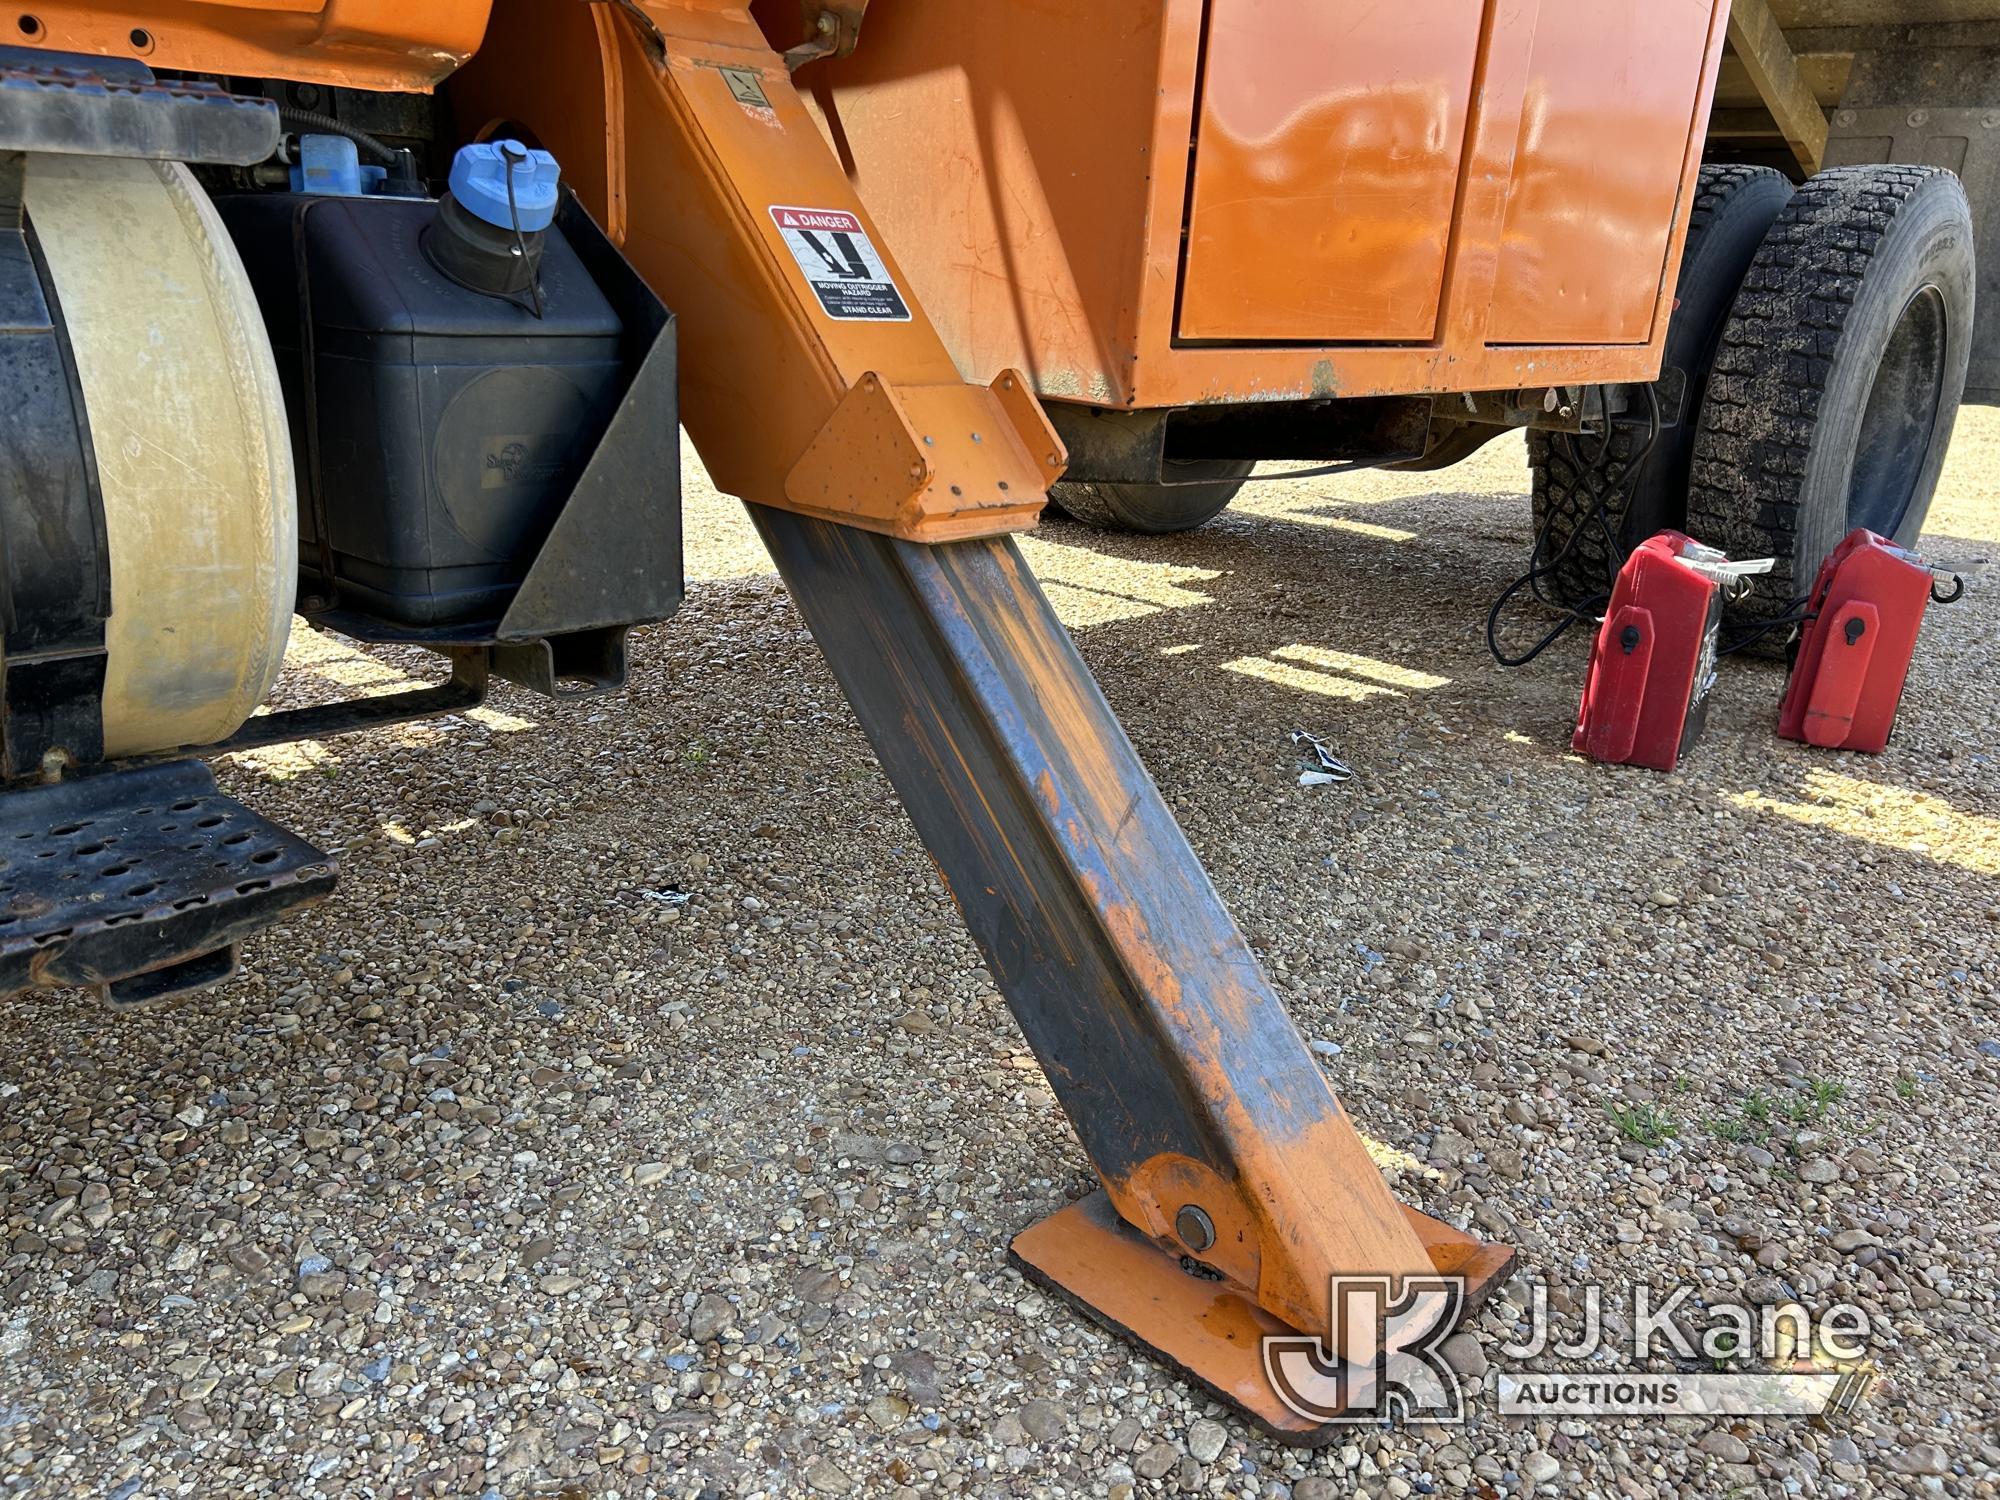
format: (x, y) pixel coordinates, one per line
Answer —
(1654, 658)
(1847, 679)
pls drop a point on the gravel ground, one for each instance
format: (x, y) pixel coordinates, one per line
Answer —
(501, 1173)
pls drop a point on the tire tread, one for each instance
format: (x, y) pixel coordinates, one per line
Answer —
(1771, 371)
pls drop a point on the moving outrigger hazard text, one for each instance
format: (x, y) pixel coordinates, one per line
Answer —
(840, 264)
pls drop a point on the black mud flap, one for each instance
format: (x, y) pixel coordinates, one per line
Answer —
(141, 883)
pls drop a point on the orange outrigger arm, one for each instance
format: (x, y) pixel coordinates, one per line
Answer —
(1235, 1187)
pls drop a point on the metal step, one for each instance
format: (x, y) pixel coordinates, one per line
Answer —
(141, 882)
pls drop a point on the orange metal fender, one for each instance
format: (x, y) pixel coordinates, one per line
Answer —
(366, 44)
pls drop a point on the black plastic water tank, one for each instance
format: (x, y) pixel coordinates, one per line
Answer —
(451, 424)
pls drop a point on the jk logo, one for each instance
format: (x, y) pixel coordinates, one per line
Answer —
(1379, 1360)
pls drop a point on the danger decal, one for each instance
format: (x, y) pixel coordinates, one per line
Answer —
(839, 263)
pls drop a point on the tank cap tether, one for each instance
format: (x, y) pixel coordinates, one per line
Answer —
(489, 227)
(479, 183)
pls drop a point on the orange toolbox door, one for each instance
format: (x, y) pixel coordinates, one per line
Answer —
(1612, 90)
(1326, 165)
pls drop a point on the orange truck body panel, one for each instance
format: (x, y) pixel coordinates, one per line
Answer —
(1604, 142)
(1328, 143)
(1171, 202)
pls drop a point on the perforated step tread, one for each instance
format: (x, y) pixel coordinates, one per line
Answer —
(141, 882)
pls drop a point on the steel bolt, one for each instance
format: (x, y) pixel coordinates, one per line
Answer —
(1196, 1229)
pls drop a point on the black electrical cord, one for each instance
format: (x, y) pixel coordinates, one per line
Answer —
(1587, 477)
(312, 122)
(1540, 567)
(1794, 613)
(1345, 466)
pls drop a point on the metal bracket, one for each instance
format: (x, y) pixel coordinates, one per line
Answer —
(1549, 408)
(466, 688)
(833, 29)
(932, 463)
(586, 664)
(613, 557)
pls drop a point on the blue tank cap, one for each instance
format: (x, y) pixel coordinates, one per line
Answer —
(479, 183)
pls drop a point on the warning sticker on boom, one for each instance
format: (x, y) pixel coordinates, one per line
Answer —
(837, 260)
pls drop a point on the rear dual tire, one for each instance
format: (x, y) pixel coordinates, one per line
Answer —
(1838, 378)
(1825, 335)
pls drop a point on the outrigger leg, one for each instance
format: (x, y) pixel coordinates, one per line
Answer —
(1220, 1146)
(1235, 1187)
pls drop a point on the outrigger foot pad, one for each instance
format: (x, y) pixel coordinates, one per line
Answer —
(1205, 1328)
